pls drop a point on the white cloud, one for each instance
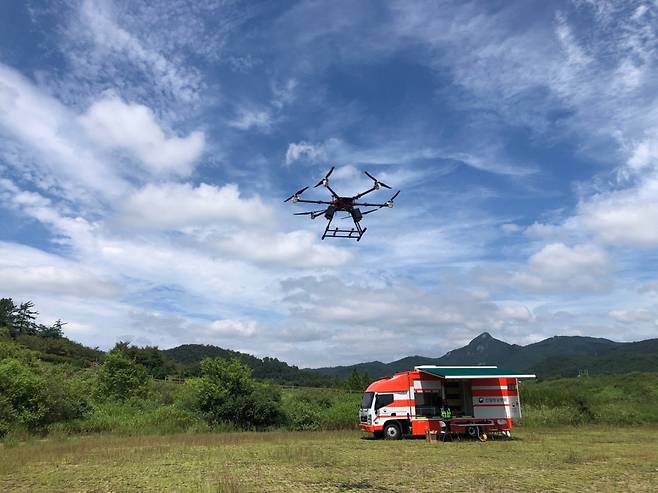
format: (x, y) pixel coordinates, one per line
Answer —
(398, 152)
(44, 126)
(97, 21)
(235, 328)
(179, 206)
(294, 249)
(628, 316)
(251, 118)
(510, 228)
(304, 150)
(624, 217)
(561, 261)
(27, 271)
(115, 124)
(560, 267)
(556, 269)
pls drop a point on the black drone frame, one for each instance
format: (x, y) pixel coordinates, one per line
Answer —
(345, 204)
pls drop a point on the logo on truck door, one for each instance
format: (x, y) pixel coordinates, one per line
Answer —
(491, 400)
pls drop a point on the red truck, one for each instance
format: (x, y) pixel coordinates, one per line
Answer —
(481, 400)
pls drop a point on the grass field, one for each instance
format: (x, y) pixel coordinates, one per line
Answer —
(569, 459)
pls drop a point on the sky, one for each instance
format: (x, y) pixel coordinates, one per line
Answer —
(146, 149)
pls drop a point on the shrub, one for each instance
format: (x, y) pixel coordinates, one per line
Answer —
(120, 378)
(9, 349)
(22, 396)
(227, 392)
(67, 393)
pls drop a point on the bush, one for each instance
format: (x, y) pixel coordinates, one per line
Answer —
(67, 393)
(22, 396)
(134, 417)
(227, 392)
(321, 409)
(9, 349)
(120, 378)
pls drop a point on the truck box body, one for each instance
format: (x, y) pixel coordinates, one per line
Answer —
(481, 399)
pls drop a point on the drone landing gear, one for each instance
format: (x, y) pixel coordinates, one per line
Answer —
(344, 233)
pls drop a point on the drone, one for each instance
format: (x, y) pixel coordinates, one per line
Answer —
(345, 204)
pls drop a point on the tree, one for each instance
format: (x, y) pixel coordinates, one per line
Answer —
(150, 357)
(54, 331)
(24, 319)
(365, 380)
(227, 392)
(354, 381)
(7, 314)
(120, 377)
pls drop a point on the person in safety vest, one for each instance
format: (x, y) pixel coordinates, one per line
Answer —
(446, 413)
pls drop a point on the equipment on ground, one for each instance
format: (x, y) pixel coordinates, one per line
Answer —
(346, 204)
(450, 401)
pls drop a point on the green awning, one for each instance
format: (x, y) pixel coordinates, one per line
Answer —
(457, 372)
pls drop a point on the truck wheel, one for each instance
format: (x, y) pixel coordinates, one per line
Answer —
(392, 431)
(472, 431)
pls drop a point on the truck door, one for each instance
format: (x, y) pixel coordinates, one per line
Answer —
(514, 401)
(467, 392)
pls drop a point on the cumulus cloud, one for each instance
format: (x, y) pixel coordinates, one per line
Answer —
(560, 267)
(556, 268)
(27, 271)
(115, 124)
(177, 206)
(294, 249)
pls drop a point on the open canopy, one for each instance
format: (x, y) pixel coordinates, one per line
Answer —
(462, 372)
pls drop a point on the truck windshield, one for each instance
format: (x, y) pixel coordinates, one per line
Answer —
(366, 402)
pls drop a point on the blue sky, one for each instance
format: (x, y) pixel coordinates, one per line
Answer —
(145, 152)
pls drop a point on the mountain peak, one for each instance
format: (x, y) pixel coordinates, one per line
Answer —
(485, 336)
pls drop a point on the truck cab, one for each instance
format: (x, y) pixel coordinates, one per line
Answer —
(478, 400)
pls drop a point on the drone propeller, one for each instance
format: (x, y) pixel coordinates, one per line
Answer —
(371, 210)
(296, 194)
(393, 198)
(325, 180)
(378, 184)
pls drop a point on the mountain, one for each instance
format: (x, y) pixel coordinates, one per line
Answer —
(188, 356)
(552, 357)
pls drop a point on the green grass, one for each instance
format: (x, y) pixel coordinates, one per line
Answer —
(628, 399)
(592, 458)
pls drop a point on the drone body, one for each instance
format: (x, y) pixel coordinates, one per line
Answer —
(345, 204)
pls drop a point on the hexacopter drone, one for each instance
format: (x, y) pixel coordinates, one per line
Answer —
(346, 204)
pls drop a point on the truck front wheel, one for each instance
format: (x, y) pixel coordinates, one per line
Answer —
(392, 431)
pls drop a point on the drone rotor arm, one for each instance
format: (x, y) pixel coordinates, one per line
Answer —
(366, 204)
(310, 213)
(304, 201)
(334, 194)
(364, 193)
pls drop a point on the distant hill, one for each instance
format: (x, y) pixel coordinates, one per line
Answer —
(189, 356)
(556, 356)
